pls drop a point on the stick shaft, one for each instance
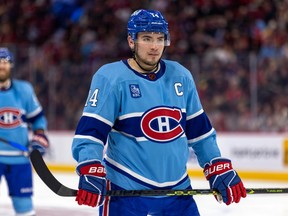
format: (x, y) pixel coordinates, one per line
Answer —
(190, 192)
(15, 145)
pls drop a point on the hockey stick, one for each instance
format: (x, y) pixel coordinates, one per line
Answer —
(47, 177)
(61, 190)
(22, 148)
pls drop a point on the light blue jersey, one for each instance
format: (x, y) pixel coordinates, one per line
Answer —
(19, 110)
(148, 123)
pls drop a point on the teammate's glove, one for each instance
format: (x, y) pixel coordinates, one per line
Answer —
(225, 180)
(39, 142)
(92, 183)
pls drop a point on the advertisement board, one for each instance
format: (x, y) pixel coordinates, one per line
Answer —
(253, 155)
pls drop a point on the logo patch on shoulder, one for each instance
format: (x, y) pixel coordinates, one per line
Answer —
(135, 91)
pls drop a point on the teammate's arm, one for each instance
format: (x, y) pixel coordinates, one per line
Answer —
(36, 120)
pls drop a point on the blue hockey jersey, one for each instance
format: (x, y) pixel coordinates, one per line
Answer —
(148, 122)
(19, 110)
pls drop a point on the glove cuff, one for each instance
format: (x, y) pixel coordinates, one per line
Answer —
(216, 167)
(41, 139)
(91, 167)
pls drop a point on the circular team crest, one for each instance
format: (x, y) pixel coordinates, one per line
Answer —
(10, 117)
(162, 124)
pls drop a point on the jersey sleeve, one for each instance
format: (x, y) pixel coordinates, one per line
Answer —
(199, 131)
(35, 115)
(99, 114)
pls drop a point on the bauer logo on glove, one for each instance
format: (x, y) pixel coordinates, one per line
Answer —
(225, 180)
(217, 169)
(97, 169)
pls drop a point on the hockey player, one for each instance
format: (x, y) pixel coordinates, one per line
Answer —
(147, 110)
(19, 111)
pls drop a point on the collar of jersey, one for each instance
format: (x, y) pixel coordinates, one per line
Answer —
(7, 88)
(157, 74)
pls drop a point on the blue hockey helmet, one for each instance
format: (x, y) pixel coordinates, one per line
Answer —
(148, 21)
(6, 54)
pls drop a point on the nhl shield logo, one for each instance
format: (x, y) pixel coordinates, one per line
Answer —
(135, 91)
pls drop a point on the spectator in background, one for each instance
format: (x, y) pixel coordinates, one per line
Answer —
(71, 42)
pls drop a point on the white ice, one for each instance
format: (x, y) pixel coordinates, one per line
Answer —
(48, 203)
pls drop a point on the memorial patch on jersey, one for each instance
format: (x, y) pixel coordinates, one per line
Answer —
(10, 117)
(162, 124)
(135, 90)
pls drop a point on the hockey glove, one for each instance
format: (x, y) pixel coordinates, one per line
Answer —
(225, 180)
(92, 183)
(39, 142)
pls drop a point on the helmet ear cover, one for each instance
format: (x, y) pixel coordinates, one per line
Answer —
(148, 21)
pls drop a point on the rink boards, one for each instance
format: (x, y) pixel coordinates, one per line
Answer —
(254, 155)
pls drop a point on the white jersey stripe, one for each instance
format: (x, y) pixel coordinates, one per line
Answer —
(143, 179)
(89, 138)
(195, 114)
(10, 153)
(201, 137)
(130, 115)
(98, 117)
(34, 113)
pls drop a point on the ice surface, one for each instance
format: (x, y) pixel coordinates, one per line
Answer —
(49, 204)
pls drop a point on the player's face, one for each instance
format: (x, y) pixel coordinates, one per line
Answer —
(5, 70)
(149, 48)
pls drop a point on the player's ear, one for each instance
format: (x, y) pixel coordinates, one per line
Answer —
(131, 42)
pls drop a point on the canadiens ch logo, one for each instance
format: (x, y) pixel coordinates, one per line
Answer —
(162, 124)
(10, 117)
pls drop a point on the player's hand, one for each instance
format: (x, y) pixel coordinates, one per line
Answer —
(39, 142)
(92, 183)
(225, 180)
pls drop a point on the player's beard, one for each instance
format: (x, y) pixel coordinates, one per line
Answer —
(145, 63)
(4, 75)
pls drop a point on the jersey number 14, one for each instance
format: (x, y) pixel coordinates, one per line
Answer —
(93, 99)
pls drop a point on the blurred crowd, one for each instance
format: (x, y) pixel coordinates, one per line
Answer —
(236, 50)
